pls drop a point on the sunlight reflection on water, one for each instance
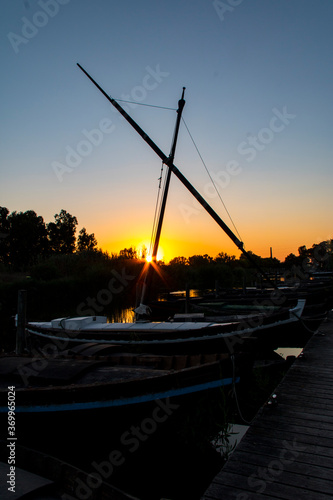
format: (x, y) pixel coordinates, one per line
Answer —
(125, 315)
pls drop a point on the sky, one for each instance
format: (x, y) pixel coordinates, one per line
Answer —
(258, 77)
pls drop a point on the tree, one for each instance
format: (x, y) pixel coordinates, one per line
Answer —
(62, 233)
(243, 260)
(304, 252)
(321, 254)
(85, 241)
(292, 260)
(4, 233)
(128, 253)
(27, 239)
(199, 260)
(225, 258)
(179, 261)
(144, 252)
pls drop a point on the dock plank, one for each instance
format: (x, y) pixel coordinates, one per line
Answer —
(287, 452)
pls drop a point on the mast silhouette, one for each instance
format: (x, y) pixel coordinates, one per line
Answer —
(142, 308)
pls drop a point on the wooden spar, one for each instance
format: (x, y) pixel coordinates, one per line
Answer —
(181, 177)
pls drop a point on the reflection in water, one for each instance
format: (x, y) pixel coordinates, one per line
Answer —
(182, 294)
(289, 351)
(125, 315)
(225, 445)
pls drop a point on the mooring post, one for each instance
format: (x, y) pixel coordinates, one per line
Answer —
(21, 320)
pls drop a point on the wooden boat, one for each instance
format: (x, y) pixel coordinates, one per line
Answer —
(94, 394)
(319, 299)
(246, 305)
(195, 336)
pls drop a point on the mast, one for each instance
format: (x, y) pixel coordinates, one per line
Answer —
(181, 104)
(142, 309)
(181, 177)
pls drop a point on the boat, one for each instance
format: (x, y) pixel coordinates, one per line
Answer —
(256, 305)
(94, 394)
(169, 337)
(317, 293)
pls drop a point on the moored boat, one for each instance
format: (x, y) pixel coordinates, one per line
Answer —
(167, 337)
(94, 394)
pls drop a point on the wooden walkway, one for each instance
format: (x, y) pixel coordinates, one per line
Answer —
(287, 453)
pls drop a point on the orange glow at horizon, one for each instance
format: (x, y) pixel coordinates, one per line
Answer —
(259, 233)
(258, 243)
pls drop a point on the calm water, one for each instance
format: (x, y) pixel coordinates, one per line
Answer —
(125, 315)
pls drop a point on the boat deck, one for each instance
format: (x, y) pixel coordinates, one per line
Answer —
(287, 452)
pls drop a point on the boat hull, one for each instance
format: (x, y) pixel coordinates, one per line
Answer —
(100, 401)
(176, 337)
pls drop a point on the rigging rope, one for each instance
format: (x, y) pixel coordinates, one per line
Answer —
(144, 104)
(157, 209)
(218, 194)
(159, 187)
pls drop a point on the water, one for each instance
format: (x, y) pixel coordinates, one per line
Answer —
(236, 432)
(288, 351)
(124, 315)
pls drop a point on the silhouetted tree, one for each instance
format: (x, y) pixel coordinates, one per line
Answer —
(27, 239)
(85, 241)
(179, 261)
(292, 260)
(4, 233)
(62, 233)
(243, 260)
(321, 255)
(199, 260)
(225, 258)
(144, 252)
(128, 253)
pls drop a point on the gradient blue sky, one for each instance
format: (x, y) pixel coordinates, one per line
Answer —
(244, 64)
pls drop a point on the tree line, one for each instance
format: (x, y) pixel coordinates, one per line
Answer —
(25, 238)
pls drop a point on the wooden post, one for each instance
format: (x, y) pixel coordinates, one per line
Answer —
(21, 320)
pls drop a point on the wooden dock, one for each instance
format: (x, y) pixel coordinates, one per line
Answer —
(287, 453)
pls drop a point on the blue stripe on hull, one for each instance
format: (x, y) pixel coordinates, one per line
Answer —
(93, 405)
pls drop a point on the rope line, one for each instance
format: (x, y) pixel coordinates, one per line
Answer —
(144, 104)
(218, 194)
(158, 202)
